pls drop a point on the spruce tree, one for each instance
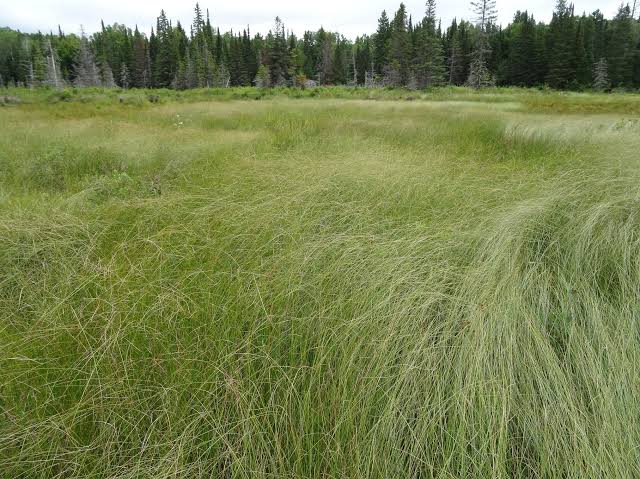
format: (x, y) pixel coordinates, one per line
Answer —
(38, 62)
(125, 81)
(277, 46)
(486, 15)
(325, 70)
(165, 62)
(583, 76)
(636, 66)
(311, 55)
(249, 57)
(86, 71)
(397, 72)
(408, 52)
(429, 66)
(521, 51)
(108, 81)
(601, 80)
(621, 49)
(263, 77)
(561, 69)
(455, 63)
(381, 44)
(139, 74)
(363, 59)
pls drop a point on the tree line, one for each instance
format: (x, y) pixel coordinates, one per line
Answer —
(570, 52)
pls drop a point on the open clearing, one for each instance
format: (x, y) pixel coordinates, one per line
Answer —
(320, 287)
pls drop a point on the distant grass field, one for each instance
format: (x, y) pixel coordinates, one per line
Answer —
(328, 283)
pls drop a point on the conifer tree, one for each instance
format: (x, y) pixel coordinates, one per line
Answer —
(139, 74)
(165, 63)
(397, 72)
(249, 57)
(402, 52)
(583, 67)
(486, 15)
(263, 77)
(521, 51)
(363, 59)
(107, 76)
(311, 57)
(621, 49)
(86, 71)
(125, 81)
(429, 66)
(325, 70)
(562, 46)
(455, 62)
(601, 80)
(381, 44)
(636, 66)
(277, 45)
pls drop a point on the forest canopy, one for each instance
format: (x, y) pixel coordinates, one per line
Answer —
(573, 51)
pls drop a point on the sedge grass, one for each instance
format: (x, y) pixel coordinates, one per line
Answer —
(319, 288)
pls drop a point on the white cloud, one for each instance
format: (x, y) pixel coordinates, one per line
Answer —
(349, 18)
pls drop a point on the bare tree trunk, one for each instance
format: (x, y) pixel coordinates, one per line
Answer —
(355, 68)
(54, 66)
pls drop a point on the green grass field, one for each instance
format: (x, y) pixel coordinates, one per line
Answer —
(323, 284)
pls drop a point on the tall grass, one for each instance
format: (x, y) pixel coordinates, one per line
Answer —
(318, 288)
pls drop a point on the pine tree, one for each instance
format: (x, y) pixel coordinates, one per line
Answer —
(601, 80)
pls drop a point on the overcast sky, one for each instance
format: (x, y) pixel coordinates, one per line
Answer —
(347, 17)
